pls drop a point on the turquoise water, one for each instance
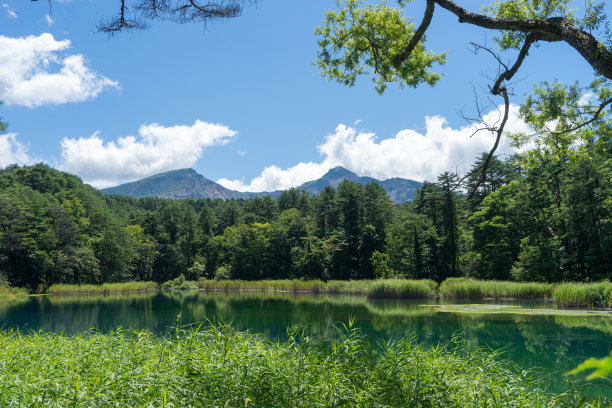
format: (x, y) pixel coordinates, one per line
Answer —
(547, 345)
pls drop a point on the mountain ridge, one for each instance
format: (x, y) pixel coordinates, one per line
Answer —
(187, 183)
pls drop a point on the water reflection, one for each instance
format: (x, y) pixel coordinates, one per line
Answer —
(551, 344)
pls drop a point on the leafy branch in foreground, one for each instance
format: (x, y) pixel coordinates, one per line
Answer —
(380, 41)
(602, 368)
(217, 365)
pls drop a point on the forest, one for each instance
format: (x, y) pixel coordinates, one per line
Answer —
(543, 215)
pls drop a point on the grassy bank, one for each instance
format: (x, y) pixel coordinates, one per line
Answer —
(123, 287)
(384, 288)
(219, 366)
(295, 285)
(583, 294)
(9, 294)
(565, 294)
(465, 288)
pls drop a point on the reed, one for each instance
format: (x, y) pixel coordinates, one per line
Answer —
(402, 289)
(466, 288)
(263, 285)
(217, 365)
(384, 288)
(583, 294)
(10, 294)
(122, 287)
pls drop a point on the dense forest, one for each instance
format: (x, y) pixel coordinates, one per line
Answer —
(536, 217)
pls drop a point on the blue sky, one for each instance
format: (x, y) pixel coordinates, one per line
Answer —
(240, 100)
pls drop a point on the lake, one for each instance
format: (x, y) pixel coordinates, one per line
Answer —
(528, 334)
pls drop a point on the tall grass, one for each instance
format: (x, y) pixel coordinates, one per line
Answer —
(583, 294)
(8, 293)
(263, 285)
(466, 288)
(401, 289)
(219, 366)
(384, 288)
(122, 287)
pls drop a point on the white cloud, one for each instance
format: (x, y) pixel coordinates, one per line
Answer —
(156, 149)
(49, 20)
(26, 76)
(410, 154)
(12, 151)
(10, 12)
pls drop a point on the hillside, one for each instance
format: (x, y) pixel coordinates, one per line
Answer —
(398, 189)
(176, 184)
(186, 183)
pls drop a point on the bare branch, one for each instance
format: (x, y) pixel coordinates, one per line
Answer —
(509, 73)
(500, 131)
(139, 14)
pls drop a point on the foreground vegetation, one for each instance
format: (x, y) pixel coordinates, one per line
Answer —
(219, 366)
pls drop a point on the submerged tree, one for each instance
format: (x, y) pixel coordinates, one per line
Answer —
(379, 40)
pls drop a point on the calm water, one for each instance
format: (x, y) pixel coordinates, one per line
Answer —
(549, 345)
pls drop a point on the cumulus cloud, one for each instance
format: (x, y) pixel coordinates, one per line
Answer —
(410, 154)
(156, 149)
(12, 151)
(34, 73)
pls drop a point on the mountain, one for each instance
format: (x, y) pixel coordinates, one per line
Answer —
(188, 183)
(399, 189)
(176, 184)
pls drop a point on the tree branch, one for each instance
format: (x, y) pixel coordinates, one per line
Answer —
(418, 34)
(595, 116)
(509, 73)
(500, 131)
(178, 11)
(551, 29)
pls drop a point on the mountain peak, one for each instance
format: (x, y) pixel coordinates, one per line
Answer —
(338, 172)
(183, 183)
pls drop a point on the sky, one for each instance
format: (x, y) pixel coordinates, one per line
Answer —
(241, 100)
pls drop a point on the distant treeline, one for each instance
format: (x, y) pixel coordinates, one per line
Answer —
(535, 218)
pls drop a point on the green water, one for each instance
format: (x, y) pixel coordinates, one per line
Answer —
(549, 345)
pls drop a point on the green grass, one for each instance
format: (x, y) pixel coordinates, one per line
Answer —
(566, 294)
(220, 366)
(10, 294)
(583, 294)
(123, 287)
(295, 285)
(97, 298)
(384, 288)
(401, 289)
(466, 288)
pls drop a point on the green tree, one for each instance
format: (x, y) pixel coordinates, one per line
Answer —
(350, 203)
(381, 41)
